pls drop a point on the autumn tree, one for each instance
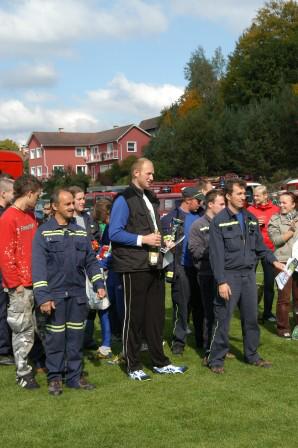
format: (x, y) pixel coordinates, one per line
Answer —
(265, 57)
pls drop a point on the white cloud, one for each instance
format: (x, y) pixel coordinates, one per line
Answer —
(29, 25)
(121, 102)
(17, 120)
(134, 100)
(37, 97)
(233, 14)
(27, 76)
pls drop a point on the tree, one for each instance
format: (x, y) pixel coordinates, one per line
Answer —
(119, 173)
(65, 178)
(265, 57)
(202, 74)
(9, 145)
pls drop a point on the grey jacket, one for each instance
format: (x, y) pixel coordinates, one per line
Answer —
(198, 244)
(278, 225)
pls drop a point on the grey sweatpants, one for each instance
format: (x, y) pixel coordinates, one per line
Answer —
(21, 319)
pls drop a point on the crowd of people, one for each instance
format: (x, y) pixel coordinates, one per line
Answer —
(58, 275)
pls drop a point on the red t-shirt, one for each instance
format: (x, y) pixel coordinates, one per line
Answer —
(265, 211)
(17, 230)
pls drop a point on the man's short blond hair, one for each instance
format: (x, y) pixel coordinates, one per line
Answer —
(137, 165)
(261, 189)
(5, 183)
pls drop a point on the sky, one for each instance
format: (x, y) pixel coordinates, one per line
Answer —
(89, 65)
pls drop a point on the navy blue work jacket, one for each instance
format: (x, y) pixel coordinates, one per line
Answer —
(231, 249)
(61, 257)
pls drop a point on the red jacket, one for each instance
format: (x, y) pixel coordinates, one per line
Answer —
(265, 211)
(17, 229)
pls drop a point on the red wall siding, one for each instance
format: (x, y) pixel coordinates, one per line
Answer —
(66, 156)
(55, 156)
(134, 135)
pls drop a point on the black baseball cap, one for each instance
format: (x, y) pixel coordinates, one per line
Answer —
(191, 192)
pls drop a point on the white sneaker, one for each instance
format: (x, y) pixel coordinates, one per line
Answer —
(170, 369)
(104, 352)
(139, 375)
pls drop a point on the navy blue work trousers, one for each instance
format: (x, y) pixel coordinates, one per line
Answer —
(186, 297)
(244, 294)
(64, 338)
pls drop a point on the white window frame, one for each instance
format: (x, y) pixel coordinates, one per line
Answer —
(94, 150)
(32, 154)
(33, 170)
(135, 146)
(38, 153)
(57, 167)
(110, 147)
(39, 171)
(81, 149)
(81, 166)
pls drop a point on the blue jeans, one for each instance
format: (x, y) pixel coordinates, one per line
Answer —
(115, 292)
(105, 327)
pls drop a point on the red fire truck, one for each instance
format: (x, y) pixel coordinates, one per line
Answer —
(11, 163)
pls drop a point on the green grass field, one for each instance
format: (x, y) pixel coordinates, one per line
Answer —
(246, 407)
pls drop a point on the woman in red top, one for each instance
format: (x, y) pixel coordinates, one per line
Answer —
(263, 209)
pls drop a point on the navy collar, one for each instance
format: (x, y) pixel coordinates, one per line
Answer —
(53, 224)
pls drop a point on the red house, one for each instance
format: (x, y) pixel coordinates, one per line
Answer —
(88, 152)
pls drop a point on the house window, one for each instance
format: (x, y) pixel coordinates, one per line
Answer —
(39, 171)
(110, 147)
(38, 152)
(80, 152)
(81, 169)
(94, 149)
(32, 153)
(33, 170)
(131, 146)
(104, 168)
(58, 168)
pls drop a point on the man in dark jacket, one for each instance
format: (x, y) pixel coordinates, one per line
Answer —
(185, 289)
(235, 244)
(61, 257)
(86, 221)
(135, 233)
(198, 245)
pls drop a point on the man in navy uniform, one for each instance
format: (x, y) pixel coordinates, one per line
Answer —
(235, 244)
(62, 255)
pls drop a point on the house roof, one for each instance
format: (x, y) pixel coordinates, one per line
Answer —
(150, 123)
(81, 138)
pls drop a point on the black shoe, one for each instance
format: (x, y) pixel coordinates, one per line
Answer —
(91, 346)
(270, 318)
(82, 384)
(177, 350)
(261, 363)
(55, 387)
(7, 360)
(27, 382)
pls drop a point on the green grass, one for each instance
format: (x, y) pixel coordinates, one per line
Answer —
(246, 407)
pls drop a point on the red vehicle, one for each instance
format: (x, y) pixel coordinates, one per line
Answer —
(11, 163)
(292, 185)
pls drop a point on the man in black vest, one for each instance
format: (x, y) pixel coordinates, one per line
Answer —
(135, 232)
